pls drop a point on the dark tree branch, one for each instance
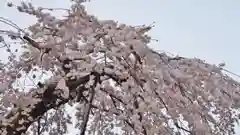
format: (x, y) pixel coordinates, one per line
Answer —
(39, 126)
(20, 118)
(89, 106)
(179, 127)
(136, 105)
(113, 96)
(32, 42)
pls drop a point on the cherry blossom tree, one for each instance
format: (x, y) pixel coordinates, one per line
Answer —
(109, 74)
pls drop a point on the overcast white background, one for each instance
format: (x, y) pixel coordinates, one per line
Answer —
(207, 29)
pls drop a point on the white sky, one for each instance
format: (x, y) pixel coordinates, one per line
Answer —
(193, 28)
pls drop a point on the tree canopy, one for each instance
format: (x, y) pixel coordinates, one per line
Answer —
(109, 74)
